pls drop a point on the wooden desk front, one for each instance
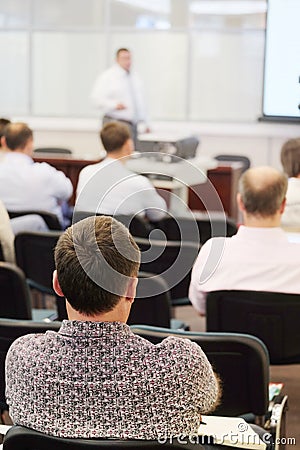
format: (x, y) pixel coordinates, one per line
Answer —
(224, 178)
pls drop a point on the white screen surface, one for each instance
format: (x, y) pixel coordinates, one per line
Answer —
(282, 59)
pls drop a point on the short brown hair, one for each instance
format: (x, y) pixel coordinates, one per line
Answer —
(290, 157)
(262, 190)
(3, 123)
(94, 260)
(114, 135)
(17, 135)
(120, 50)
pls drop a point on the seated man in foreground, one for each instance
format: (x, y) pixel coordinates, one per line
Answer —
(259, 257)
(110, 188)
(95, 378)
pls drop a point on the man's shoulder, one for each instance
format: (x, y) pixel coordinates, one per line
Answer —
(28, 342)
(180, 349)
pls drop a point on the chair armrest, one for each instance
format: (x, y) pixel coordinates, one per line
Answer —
(276, 424)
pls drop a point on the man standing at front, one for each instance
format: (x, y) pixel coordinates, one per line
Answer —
(95, 378)
(118, 93)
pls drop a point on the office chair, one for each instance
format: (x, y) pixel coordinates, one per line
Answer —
(50, 219)
(21, 438)
(10, 330)
(242, 363)
(15, 296)
(238, 360)
(64, 151)
(1, 253)
(235, 158)
(186, 148)
(35, 256)
(173, 260)
(272, 317)
(137, 225)
(195, 229)
(152, 304)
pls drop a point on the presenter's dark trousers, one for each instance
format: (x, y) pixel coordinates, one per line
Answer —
(132, 126)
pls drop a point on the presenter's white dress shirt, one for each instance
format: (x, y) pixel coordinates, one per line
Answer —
(110, 188)
(258, 259)
(26, 185)
(116, 85)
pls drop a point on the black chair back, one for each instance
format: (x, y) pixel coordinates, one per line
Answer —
(1, 253)
(50, 219)
(152, 304)
(272, 317)
(172, 260)
(15, 301)
(241, 361)
(21, 438)
(196, 230)
(10, 330)
(35, 256)
(136, 224)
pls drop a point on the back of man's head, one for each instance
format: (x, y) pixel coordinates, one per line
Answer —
(17, 135)
(3, 123)
(95, 261)
(114, 135)
(290, 157)
(262, 191)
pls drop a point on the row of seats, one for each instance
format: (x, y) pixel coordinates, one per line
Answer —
(241, 396)
(271, 317)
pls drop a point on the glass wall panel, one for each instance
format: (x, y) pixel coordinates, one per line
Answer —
(68, 13)
(161, 61)
(64, 68)
(159, 14)
(228, 14)
(226, 76)
(14, 73)
(14, 13)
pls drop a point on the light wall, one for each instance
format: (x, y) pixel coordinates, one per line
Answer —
(200, 60)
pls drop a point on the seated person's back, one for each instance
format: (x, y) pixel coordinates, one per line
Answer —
(290, 159)
(24, 184)
(95, 378)
(259, 257)
(110, 188)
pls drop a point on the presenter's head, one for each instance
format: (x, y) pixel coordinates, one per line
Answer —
(97, 263)
(123, 58)
(18, 137)
(261, 196)
(116, 140)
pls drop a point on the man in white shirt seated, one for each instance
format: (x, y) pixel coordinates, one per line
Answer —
(26, 185)
(119, 95)
(259, 257)
(110, 188)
